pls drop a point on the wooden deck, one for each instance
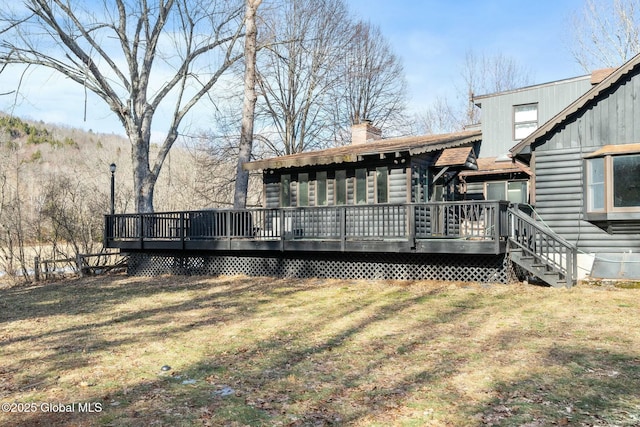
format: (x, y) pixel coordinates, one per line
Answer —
(478, 227)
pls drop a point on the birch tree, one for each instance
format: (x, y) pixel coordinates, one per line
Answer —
(141, 58)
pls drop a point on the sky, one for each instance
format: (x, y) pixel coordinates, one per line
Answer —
(431, 37)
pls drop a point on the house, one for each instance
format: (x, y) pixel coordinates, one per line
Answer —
(445, 207)
(370, 170)
(362, 211)
(507, 118)
(585, 164)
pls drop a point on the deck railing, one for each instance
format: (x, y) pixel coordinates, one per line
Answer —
(474, 220)
(543, 245)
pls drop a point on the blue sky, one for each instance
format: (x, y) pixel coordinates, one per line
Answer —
(433, 36)
(430, 36)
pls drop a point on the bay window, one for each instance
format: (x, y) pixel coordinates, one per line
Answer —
(612, 185)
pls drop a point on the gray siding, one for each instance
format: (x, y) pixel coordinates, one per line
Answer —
(398, 185)
(612, 120)
(497, 110)
(559, 202)
(271, 190)
(475, 191)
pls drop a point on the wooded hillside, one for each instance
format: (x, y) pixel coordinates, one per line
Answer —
(55, 187)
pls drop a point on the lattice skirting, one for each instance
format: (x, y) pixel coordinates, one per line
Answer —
(393, 266)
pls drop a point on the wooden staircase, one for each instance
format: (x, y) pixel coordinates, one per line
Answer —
(540, 251)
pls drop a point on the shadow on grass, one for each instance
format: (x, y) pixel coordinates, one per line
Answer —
(573, 386)
(346, 357)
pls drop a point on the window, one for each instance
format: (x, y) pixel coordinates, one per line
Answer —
(303, 189)
(517, 191)
(419, 184)
(321, 188)
(285, 190)
(525, 120)
(496, 191)
(341, 187)
(361, 186)
(613, 183)
(513, 191)
(626, 181)
(595, 191)
(382, 184)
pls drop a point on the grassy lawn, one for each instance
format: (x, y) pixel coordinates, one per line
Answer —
(289, 352)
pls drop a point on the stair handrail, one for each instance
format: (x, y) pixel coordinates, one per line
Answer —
(543, 244)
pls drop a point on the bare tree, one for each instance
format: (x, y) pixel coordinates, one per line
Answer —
(606, 33)
(489, 74)
(370, 82)
(72, 210)
(248, 109)
(13, 221)
(303, 42)
(480, 74)
(440, 117)
(139, 58)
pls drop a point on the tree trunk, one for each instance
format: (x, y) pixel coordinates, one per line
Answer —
(248, 108)
(144, 180)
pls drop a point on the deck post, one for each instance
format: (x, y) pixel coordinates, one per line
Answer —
(497, 226)
(228, 228)
(343, 228)
(282, 232)
(411, 223)
(141, 229)
(572, 266)
(182, 231)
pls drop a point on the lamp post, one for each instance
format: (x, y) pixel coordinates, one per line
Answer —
(112, 168)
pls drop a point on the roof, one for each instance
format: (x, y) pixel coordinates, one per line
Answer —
(577, 105)
(615, 149)
(354, 153)
(493, 166)
(477, 99)
(459, 156)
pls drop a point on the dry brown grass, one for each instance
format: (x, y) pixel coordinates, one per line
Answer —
(262, 351)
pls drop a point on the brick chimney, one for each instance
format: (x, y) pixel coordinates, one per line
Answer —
(364, 132)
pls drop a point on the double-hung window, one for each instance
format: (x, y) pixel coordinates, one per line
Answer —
(525, 120)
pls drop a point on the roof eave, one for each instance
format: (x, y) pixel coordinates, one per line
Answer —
(576, 106)
(399, 148)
